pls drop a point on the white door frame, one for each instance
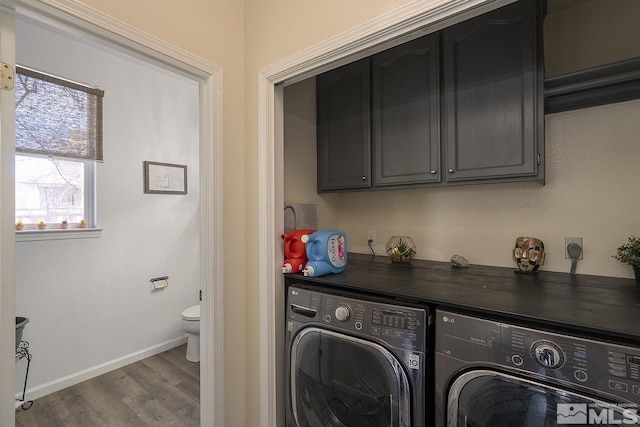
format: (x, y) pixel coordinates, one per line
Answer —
(402, 24)
(92, 24)
(7, 230)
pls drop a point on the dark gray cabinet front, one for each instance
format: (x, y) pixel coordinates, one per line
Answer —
(491, 109)
(344, 127)
(405, 99)
(463, 105)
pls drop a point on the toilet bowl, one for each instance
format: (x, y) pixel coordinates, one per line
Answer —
(191, 325)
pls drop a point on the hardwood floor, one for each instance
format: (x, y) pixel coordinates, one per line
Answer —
(162, 390)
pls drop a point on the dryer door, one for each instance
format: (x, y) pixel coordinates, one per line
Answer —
(338, 380)
(485, 398)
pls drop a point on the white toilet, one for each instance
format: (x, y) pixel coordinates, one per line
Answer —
(191, 325)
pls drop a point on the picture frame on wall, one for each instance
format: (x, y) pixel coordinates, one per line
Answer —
(164, 178)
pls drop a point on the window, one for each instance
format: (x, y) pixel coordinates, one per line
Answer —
(58, 140)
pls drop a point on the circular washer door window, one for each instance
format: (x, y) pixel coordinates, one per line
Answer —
(339, 381)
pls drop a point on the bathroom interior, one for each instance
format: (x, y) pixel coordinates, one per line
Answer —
(90, 301)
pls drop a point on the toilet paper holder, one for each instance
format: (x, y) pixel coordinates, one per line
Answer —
(159, 282)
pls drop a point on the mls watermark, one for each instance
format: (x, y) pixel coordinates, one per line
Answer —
(597, 414)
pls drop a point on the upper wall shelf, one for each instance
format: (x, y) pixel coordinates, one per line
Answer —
(606, 84)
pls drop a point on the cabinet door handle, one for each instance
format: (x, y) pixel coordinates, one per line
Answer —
(433, 171)
(451, 170)
(364, 178)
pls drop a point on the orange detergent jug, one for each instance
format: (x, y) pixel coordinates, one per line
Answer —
(295, 252)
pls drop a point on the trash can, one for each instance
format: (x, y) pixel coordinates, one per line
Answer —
(20, 324)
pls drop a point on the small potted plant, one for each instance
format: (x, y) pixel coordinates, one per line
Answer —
(19, 225)
(41, 225)
(629, 253)
(64, 224)
(82, 224)
(401, 249)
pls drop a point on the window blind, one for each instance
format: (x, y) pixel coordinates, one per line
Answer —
(57, 117)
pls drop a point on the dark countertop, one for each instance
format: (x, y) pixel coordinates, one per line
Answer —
(593, 305)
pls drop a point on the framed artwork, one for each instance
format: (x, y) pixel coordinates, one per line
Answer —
(165, 178)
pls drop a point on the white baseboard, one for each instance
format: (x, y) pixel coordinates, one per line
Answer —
(64, 382)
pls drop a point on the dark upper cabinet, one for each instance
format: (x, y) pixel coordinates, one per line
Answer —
(492, 105)
(344, 127)
(405, 96)
(462, 105)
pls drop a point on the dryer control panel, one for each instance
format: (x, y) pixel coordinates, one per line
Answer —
(591, 364)
(398, 326)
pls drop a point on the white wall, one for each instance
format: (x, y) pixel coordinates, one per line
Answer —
(89, 301)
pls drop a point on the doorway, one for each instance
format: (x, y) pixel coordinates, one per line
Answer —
(403, 24)
(208, 81)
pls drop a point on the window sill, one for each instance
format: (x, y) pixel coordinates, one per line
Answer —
(58, 234)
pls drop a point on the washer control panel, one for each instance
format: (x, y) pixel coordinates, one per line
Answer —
(597, 365)
(547, 354)
(398, 326)
(343, 312)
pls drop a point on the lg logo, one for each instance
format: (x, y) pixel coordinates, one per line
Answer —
(414, 361)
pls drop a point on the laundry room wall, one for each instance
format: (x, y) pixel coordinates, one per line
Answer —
(591, 174)
(89, 301)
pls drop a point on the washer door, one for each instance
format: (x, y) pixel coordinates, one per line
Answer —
(485, 398)
(341, 381)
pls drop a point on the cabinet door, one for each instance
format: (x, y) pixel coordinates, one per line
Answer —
(344, 143)
(491, 106)
(406, 113)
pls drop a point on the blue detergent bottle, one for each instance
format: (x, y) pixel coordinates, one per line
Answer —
(326, 251)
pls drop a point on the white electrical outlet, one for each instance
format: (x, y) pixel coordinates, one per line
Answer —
(371, 235)
(568, 241)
